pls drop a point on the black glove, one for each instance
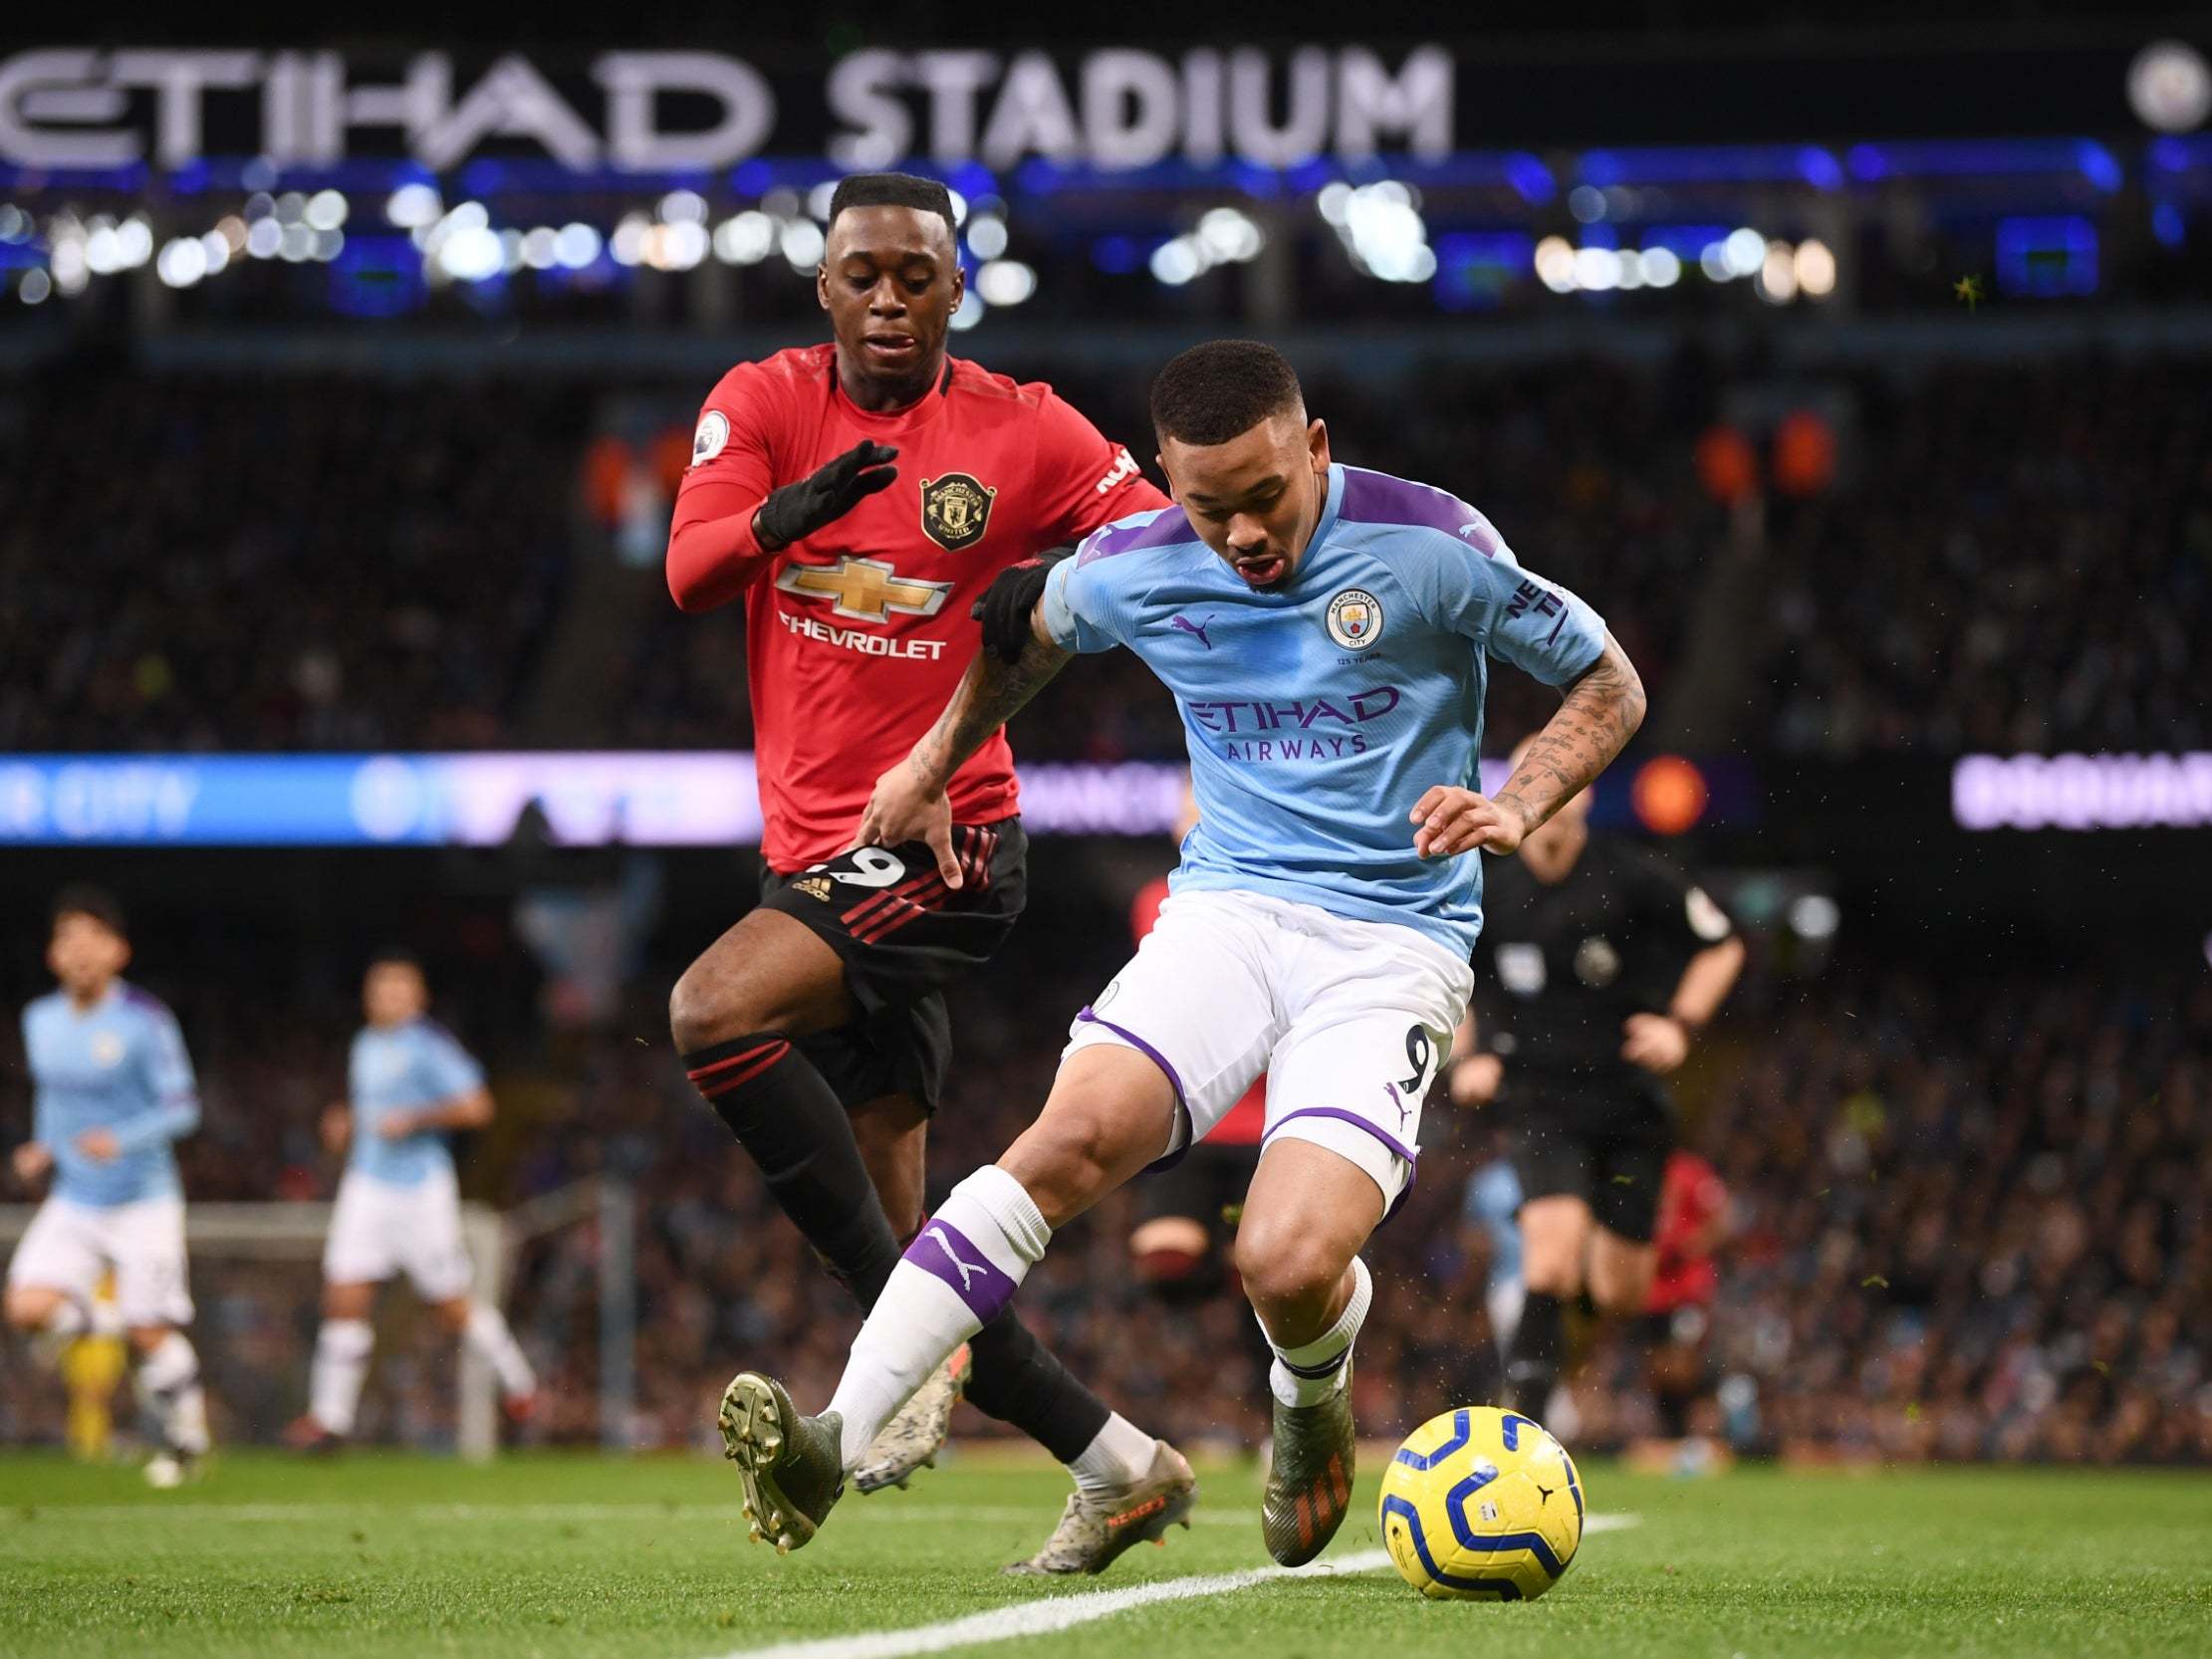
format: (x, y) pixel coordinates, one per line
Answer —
(1010, 600)
(801, 509)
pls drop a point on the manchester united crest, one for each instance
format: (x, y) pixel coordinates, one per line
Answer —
(955, 510)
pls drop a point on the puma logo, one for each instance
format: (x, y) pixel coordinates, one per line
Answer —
(1198, 627)
(1544, 1494)
(1406, 1113)
(966, 1269)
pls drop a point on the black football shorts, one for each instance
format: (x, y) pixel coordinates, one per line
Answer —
(902, 935)
(1615, 1171)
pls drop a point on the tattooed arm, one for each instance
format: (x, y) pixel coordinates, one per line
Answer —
(910, 803)
(1599, 715)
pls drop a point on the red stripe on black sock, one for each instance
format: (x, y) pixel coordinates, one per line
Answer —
(723, 1086)
(721, 1066)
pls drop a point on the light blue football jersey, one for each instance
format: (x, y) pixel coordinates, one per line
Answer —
(118, 1065)
(405, 1069)
(1319, 712)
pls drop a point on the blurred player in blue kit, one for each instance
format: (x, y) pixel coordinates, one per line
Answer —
(410, 1085)
(1326, 632)
(114, 1089)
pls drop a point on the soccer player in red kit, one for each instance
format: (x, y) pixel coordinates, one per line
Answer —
(861, 496)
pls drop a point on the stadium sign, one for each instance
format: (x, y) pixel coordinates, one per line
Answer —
(657, 111)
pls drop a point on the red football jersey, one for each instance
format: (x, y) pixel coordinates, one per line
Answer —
(857, 636)
(1245, 1124)
(1691, 1194)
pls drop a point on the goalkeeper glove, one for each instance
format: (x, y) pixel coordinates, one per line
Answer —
(798, 510)
(1010, 600)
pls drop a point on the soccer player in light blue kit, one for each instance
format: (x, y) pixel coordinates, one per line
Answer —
(114, 1089)
(1326, 632)
(398, 1206)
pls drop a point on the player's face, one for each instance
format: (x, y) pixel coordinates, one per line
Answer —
(1256, 499)
(84, 953)
(394, 994)
(891, 282)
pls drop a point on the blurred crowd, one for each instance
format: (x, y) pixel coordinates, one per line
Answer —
(1971, 1218)
(1994, 556)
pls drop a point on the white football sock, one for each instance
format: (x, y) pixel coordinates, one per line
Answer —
(1311, 1372)
(1117, 1456)
(961, 1270)
(488, 1334)
(169, 1384)
(342, 1351)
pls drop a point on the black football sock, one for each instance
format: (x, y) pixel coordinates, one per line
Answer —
(788, 1117)
(1019, 1380)
(1533, 1361)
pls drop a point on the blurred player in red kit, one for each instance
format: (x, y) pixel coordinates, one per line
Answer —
(1692, 1225)
(860, 496)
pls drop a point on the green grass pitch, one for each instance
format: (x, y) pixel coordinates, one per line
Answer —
(600, 1559)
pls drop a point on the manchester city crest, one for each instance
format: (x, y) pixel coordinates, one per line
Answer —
(1356, 619)
(955, 510)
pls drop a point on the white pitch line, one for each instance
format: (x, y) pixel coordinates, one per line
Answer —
(1044, 1618)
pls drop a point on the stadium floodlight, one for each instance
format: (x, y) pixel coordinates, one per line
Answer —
(1596, 269)
(1176, 262)
(1587, 202)
(802, 243)
(683, 207)
(219, 248)
(326, 210)
(577, 246)
(1554, 264)
(1005, 282)
(628, 244)
(263, 238)
(541, 246)
(1778, 274)
(36, 286)
(1743, 252)
(182, 262)
(1816, 268)
(970, 311)
(2169, 87)
(413, 206)
(1231, 236)
(746, 239)
(1663, 267)
(987, 236)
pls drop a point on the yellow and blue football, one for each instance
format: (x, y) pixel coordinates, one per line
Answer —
(1481, 1504)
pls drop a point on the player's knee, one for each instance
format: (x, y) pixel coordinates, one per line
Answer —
(702, 1012)
(27, 1311)
(1070, 1158)
(1285, 1266)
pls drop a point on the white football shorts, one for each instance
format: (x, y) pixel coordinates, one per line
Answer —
(379, 1230)
(68, 1246)
(1350, 1022)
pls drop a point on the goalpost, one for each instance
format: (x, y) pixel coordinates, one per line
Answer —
(263, 1251)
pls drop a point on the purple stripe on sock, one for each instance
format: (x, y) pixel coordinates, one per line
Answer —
(1411, 1154)
(942, 1249)
(1174, 1082)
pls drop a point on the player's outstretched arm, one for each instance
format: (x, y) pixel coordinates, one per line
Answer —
(1600, 713)
(909, 801)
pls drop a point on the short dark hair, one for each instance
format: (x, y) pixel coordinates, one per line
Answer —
(1214, 392)
(394, 956)
(893, 190)
(82, 900)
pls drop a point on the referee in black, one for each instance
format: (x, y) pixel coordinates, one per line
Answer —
(1599, 962)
